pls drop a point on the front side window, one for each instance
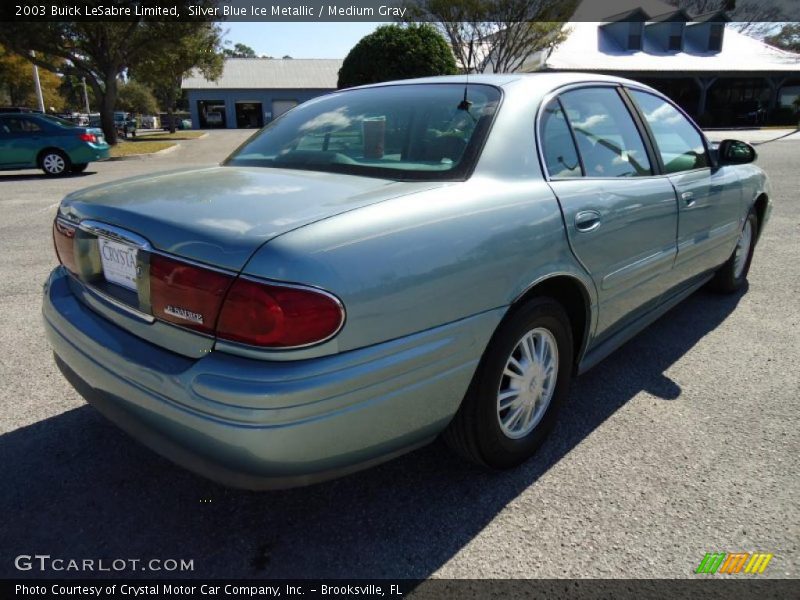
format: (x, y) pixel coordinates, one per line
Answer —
(678, 142)
(608, 141)
(419, 131)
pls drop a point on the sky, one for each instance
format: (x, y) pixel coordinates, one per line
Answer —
(298, 40)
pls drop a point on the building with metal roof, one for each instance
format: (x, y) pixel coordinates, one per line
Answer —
(720, 76)
(253, 91)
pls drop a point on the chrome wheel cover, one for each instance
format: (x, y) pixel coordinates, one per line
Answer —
(527, 384)
(743, 249)
(53, 163)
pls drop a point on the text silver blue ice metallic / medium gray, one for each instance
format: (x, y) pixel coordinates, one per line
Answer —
(386, 264)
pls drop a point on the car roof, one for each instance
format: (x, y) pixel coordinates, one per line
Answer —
(542, 79)
(27, 115)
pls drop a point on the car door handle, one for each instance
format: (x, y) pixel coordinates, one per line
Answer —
(688, 198)
(587, 220)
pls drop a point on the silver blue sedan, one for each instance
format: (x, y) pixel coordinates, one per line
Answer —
(384, 265)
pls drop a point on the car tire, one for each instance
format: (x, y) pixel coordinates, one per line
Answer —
(487, 429)
(79, 167)
(732, 276)
(54, 163)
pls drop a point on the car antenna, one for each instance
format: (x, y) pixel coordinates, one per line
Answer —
(465, 103)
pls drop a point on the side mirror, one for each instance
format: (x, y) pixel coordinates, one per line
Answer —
(734, 152)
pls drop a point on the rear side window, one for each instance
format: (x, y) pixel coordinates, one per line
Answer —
(608, 140)
(680, 145)
(558, 147)
(22, 125)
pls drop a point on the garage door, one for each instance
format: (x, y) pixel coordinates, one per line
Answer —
(281, 106)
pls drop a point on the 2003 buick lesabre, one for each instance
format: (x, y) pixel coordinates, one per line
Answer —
(386, 264)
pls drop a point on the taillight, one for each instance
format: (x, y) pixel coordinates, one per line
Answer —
(185, 294)
(64, 241)
(251, 312)
(87, 137)
(278, 316)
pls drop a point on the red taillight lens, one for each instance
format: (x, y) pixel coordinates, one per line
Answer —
(87, 137)
(185, 294)
(277, 316)
(241, 310)
(64, 241)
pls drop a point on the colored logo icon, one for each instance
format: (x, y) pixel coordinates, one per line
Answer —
(734, 562)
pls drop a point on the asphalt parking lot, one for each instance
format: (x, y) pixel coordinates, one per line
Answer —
(685, 441)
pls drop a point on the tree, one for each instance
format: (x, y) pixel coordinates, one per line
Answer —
(496, 35)
(163, 71)
(239, 51)
(135, 97)
(99, 51)
(72, 90)
(397, 52)
(788, 38)
(16, 83)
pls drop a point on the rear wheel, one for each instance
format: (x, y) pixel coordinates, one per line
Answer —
(733, 274)
(514, 397)
(54, 163)
(79, 167)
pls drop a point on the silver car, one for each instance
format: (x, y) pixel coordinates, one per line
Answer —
(384, 265)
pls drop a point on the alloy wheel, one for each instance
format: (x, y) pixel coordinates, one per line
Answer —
(527, 384)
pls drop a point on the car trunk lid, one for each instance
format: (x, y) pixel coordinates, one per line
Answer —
(220, 216)
(215, 218)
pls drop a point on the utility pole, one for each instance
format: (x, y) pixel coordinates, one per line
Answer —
(85, 95)
(37, 83)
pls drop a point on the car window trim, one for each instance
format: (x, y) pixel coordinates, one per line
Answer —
(711, 162)
(556, 93)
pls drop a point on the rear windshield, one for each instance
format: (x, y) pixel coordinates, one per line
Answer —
(59, 121)
(420, 132)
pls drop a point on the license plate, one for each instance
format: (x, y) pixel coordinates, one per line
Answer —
(119, 262)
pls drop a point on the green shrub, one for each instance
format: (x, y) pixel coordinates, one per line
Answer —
(397, 52)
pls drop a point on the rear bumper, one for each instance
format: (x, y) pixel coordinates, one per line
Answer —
(90, 152)
(257, 424)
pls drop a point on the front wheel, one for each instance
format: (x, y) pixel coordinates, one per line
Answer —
(54, 163)
(522, 380)
(733, 274)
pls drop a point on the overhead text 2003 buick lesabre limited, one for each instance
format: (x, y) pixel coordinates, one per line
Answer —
(386, 264)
